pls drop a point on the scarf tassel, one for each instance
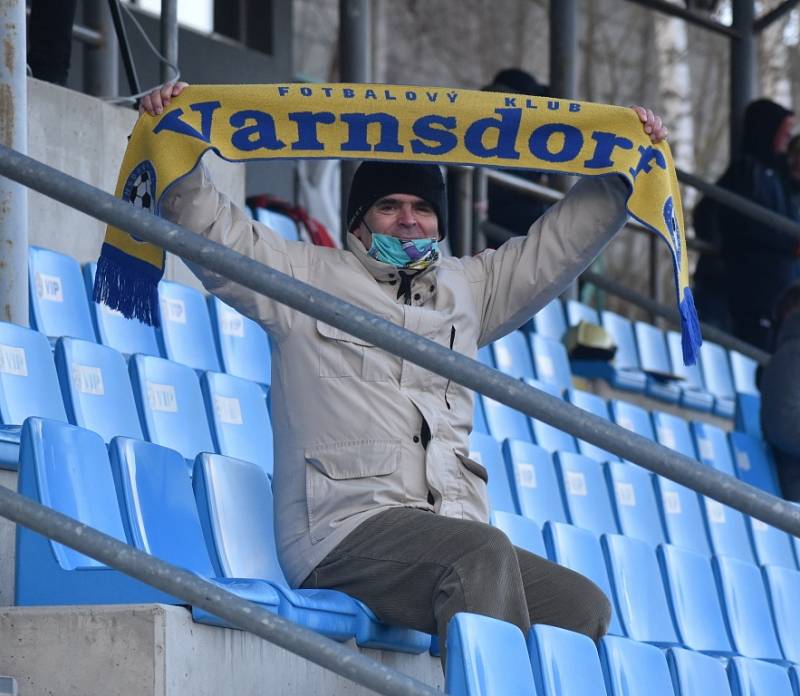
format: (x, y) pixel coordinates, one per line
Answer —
(127, 285)
(691, 337)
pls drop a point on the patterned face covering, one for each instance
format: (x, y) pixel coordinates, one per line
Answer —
(411, 254)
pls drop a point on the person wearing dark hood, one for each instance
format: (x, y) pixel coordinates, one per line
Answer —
(756, 262)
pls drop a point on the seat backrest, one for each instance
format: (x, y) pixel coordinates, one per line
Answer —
(564, 663)
(96, 388)
(170, 405)
(512, 355)
(712, 446)
(128, 336)
(639, 590)
(746, 607)
(692, 375)
(234, 500)
(598, 406)
(634, 668)
(504, 422)
(747, 414)
(521, 531)
(278, 222)
(485, 356)
(755, 677)
(673, 431)
(585, 493)
(578, 312)
(783, 589)
(693, 598)
(550, 361)
(716, 370)
(653, 355)
(57, 297)
(695, 674)
(546, 435)
(743, 370)
(154, 489)
(478, 418)
(727, 530)
(631, 417)
(185, 335)
(240, 423)
(242, 344)
(579, 550)
(534, 481)
(754, 463)
(681, 515)
(549, 320)
(771, 546)
(631, 489)
(621, 331)
(28, 380)
(485, 450)
(486, 657)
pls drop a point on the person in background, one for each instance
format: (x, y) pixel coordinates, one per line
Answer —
(50, 39)
(793, 161)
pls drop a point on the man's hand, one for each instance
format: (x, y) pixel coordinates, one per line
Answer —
(652, 124)
(157, 100)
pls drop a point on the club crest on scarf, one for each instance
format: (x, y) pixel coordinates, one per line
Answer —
(140, 189)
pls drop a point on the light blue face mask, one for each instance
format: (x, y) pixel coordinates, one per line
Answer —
(412, 254)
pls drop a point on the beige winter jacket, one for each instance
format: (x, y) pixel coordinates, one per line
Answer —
(347, 416)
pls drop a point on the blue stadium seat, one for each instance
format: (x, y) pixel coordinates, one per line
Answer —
(783, 590)
(278, 222)
(170, 405)
(57, 296)
(717, 377)
(66, 468)
(128, 336)
(631, 417)
(521, 531)
(654, 362)
(585, 493)
(549, 320)
(639, 590)
(504, 422)
(96, 388)
(634, 668)
(754, 463)
(695, 674)
(578, 312)
(485, 451)
(564, 663)
(673, 431)
(185, 335)
(579, 550)
(512, 355)
(234, 499)
(757, 678)
(631, 489)
(546, 435)
(478, 418)
(160, 517)
(743, 370)
(598, 406)
(711, 443)
(534, 482)
(693, 599)
(693, 390)
(240, 424)
(485, 356)
(747, 416)
(746, 608)
(727, 531)
(550, 361)
(242, 344)
(771, 546)
(486, 657)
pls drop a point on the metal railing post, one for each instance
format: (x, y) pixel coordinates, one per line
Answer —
(101, 61)
(169, 37)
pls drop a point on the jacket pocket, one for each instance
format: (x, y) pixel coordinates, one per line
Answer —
(344, 355)
(474, 467)
(346, 478)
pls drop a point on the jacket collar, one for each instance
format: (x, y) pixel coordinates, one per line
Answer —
(382, 272)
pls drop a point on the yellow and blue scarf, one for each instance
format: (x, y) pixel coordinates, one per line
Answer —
(386, 122)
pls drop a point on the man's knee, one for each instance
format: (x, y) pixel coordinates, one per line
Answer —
(492, 551)
(595, 610)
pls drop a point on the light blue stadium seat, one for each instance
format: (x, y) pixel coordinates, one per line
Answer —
(695, 674)
(534, 482)
(96, 388)
(631, 668)
(185, 335)
(673, 431)
(550, 361)
(242, 344)
(693, 391)
(478, 418)
(747, 416)
(128, 336)
(654, 362)
(57, 296)
(170, 405)
(66, 468)
(278, 222)
(639, 590)
(512, 355)
(578, 312)
(546, 435)
(727, 531)
(585, 493)
(711, 443)
(771, 546)
(717, 377)
(549, 320)
(783, 590)
(631, 489)
(521, 531)
(486, 657)
(234, 499)
(485, 356)
(564, 663)
(579, 550)
(746, 608)
(240, 424)
(754, 463)
(504, 422)
(694, 600)
(743, 370)
(485, 450)
(631, 417)
(757, 678)
(598, 406)
(160, 517)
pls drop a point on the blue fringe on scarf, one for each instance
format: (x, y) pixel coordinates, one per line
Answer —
(691, 338)
(128, 285)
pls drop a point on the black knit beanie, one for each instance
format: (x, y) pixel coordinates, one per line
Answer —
(374, 180)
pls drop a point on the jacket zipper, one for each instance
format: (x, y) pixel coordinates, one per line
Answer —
(452, 341)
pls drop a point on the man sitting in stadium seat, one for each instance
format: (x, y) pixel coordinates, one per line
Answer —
(375, 492)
